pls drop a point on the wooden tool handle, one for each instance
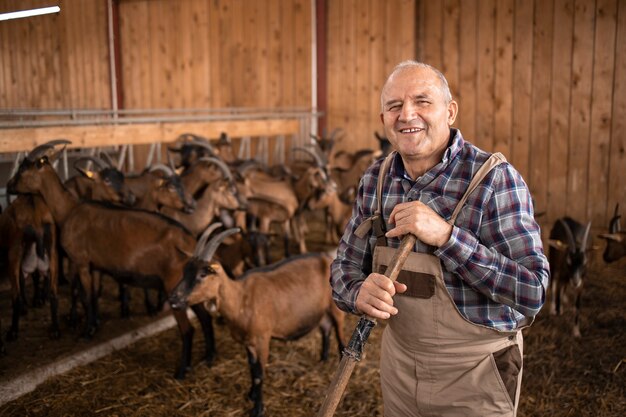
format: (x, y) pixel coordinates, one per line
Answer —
(349, 359)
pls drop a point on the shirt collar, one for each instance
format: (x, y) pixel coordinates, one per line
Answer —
(456, 144)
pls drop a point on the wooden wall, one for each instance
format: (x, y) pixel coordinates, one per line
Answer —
(544, 82)
(57, 61)
(365, 40)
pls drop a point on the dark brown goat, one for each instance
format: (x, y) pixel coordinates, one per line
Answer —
(136, 247)
(568, 264)
(282, 301)
(28, 238)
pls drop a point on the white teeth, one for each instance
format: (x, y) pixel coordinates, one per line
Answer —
(411, 130)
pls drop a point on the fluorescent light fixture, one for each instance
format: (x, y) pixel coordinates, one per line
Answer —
(28, 13)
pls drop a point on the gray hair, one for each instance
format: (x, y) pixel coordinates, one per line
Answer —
(445, 88)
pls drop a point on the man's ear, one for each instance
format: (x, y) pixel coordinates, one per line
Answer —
(453, 109)
(382, 120)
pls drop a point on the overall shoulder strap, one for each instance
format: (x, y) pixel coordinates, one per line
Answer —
(493, 161)
(377, 222)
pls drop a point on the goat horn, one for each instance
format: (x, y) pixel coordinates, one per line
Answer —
(585, 237)
(164, 168)
(207, 253)
(221, 165)
(315, 156)
(107, 159)
(99, 162)
(203, 144)
(247, 165)
(204, 237)
(334, 132)
(571, 242)
(41, 150)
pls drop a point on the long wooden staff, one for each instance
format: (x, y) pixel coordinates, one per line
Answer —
(352, 353)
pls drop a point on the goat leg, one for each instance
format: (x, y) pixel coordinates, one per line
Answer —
(207, 329)
(186, 334)
(256, 390)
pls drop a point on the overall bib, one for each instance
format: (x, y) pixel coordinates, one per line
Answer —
(435, 362)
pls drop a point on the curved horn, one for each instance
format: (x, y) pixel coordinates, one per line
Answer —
(164, 168)
(583, 245)
(204, 237)
(316, 157)
(203, 144)
(107, 159)
(248, 165)
(41, 150)
(221, 165)
(615, 226)
(334, 132)
(99, 162)
(571, 242)
(207, 253)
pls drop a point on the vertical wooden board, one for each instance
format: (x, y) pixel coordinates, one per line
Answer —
(603, 68)
(362, 73)
(262, 57)
(96, 30)
(156, 56)
(171, 83)
(130, 22)
(450, 65)
(348, 89)
(302, 69)
(217, 63)
(582, 68)
(237, 70)
(559, 108)
(190, 38)
(503, 82)
(334, 63)
(485, 77)
(540, 115)
(275, 36)
(522, 85)
(288, 55)
(248, 58)
(408, 44)
(433, 33)
(5, 68)
(617, 189)
(378, 75)
(466, 120)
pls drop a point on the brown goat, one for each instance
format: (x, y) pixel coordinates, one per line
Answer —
(136, 247)
(282, 301)
(28, 237)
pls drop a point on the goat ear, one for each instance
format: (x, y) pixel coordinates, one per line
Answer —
(86, 173)
(557, 244)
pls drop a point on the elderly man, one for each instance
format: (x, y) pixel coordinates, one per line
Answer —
(477, 276)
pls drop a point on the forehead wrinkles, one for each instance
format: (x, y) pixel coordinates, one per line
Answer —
(411, 83)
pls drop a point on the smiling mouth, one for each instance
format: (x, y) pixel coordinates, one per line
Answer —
(411, 130)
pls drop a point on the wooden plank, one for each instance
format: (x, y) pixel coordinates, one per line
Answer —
(216, 51)
(540, 116)
(15, 140)
(237, 90)
(362, 75)
(450, 66)
(617, 191)
(377, 68)
(582, 68)
(503, 78)
(302, 63)
(466, 120)
(433, 30)
(275, 38)
(485, 76)
(600, 136)
(522, 85)
(559, 108)
(335, 63)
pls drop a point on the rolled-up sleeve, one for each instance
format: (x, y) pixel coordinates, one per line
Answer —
(505, 262)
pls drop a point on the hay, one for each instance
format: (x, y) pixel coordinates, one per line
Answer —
(562, 376)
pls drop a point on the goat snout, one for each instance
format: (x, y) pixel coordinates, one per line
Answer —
(177, 303)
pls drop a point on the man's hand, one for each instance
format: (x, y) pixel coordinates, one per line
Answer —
(417, 218)
(375, 296)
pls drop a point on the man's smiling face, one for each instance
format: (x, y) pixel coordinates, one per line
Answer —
(416, 114)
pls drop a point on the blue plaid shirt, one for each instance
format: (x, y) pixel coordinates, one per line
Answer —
(494, 265)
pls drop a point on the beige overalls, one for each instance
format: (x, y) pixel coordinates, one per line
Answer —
(435, 362)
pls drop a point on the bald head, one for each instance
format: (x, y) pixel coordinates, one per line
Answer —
(408, 65)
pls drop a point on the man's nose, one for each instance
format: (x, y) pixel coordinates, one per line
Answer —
(408, 112)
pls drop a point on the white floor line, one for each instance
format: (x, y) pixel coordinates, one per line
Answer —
(27, 382)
